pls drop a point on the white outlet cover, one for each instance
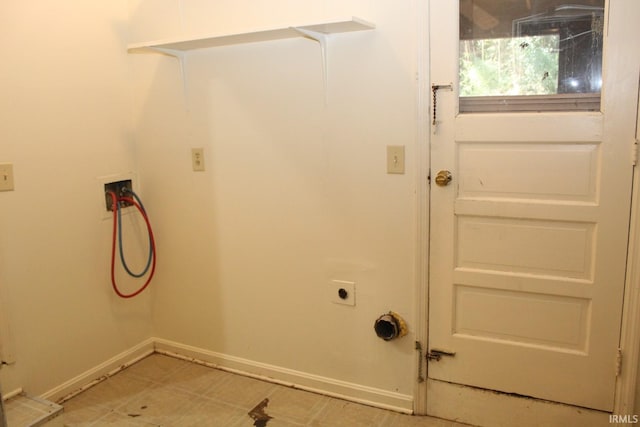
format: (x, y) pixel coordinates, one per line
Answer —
(197, 159)
(6, 177)
(333, 289)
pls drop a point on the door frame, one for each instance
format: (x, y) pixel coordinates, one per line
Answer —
(423, 200)
(625, 391)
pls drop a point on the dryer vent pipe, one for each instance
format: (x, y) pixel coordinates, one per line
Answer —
(390, 326)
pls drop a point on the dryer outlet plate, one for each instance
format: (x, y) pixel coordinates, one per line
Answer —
(342, 292)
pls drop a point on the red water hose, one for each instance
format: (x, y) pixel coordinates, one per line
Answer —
(114, 207)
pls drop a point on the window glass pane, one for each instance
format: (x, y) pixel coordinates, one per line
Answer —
(509, 66)
(530, 54)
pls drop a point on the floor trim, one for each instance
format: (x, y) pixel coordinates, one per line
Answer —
(301, 380)
(101, 372)
(12, 394)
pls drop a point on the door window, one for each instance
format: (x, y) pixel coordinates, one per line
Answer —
(530, 55)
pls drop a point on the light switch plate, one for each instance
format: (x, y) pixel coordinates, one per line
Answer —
(395, 159)
(197, 159)
(6, 177)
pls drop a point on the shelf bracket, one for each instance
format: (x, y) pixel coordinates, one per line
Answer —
(321, 38)
(182, 60)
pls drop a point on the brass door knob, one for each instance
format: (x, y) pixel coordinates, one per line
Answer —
(443, 178)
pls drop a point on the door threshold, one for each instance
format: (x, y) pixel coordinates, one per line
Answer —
(31, 411)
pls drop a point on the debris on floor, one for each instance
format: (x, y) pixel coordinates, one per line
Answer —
(258, 415)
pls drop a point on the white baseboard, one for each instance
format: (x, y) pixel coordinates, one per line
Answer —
(488, 408)
(449, 401)
(329, 386)
(12, 394)
(315, 383)
(101, 372)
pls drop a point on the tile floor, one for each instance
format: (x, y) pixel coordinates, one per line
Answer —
(164, 391)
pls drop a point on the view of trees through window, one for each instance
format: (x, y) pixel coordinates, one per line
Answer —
(509, 66)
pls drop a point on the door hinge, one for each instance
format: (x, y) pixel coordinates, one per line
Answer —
(634, 153)
(436, 354)
(618, 362)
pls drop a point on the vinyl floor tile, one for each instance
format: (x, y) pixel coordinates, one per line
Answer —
(196, 378)
(169, 392)
(115, 419)
(156, 367)
(160, 405)
(240, 391)
(295, 405)
(206, 412)
(340, 413)
(114, 392)
(402, 420)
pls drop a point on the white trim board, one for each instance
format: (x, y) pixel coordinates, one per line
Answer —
(301, 380)
(630, 334)
(481, 407)
(305, 381)
(12, 394)
(422, 208)
(101, 372)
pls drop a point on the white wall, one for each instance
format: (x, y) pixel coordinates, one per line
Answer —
(65, 119)
(296, 191)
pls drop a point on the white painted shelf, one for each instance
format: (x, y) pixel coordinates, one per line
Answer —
(318, 32)
(313, 30)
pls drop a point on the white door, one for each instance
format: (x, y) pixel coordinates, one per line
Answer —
(529, 239)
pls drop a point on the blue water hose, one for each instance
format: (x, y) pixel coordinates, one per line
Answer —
(150, 257)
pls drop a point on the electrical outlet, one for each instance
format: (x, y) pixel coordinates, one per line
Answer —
(6, 177)
(395, 159)
(197, 159)
(342, 292)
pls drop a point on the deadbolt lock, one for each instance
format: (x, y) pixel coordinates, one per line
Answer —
(443, 178)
